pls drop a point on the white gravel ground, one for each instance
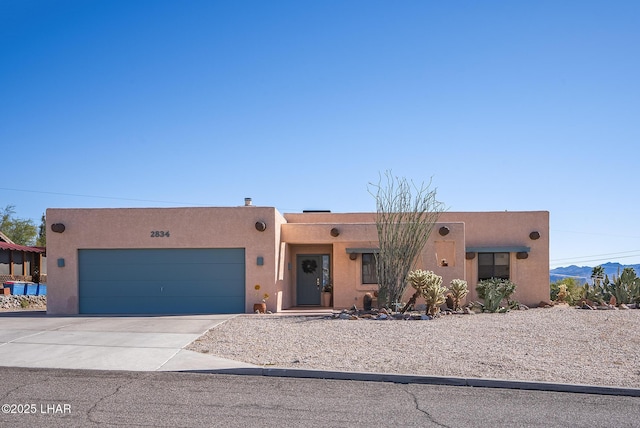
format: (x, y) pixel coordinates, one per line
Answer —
(559, 344)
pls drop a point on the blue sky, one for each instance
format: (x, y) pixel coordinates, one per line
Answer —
(505, 105)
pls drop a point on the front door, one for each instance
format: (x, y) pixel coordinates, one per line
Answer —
(310, 275)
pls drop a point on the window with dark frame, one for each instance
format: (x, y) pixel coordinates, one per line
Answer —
(369, 272)
(493, 265)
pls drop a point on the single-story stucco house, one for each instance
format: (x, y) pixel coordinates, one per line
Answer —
(225, 259)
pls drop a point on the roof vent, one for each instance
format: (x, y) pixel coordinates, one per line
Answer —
(248, 202)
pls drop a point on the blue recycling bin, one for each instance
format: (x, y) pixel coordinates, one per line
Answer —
(16, 288)
(31, 289)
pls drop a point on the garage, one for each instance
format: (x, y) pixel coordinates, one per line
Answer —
(161, 281)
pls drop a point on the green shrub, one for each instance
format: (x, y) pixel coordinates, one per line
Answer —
(493, 291)
(566, 290)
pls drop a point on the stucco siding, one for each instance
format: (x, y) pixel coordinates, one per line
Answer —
(232, 227)
(270, 254)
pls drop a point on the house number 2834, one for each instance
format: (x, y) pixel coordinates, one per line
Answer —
(160, 234)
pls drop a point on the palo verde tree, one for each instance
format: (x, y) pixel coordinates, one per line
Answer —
(406, 215)
(20, 231)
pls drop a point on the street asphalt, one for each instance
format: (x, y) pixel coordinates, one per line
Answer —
(156, 343)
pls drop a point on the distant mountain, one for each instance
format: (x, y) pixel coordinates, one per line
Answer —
(583, 273)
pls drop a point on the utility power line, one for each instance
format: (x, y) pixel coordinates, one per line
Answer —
(617, 255)
(102, 197)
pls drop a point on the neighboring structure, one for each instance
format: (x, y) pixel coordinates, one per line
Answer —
(223, 260)
(20, 262)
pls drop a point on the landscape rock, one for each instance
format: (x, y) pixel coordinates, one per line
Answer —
(453, 345)
(10, 302)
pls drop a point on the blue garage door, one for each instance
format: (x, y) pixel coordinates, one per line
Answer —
(162, 281)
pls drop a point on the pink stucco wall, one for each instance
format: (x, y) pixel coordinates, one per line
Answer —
(467, 229)
(505, 228)
(287, 236)
(232, 227)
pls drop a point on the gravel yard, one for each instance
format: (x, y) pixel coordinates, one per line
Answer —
(12, 303)
(559, 344)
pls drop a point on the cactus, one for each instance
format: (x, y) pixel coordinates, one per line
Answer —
(459, 291)
(429, 286)
(493, 291)
(434, 297)
(592, 293)
(625, 287)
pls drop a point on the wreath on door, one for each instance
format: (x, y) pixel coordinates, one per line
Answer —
(309, 266)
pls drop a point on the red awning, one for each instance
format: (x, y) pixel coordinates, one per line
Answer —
(16, 247)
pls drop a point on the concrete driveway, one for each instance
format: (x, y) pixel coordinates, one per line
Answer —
(138, 343)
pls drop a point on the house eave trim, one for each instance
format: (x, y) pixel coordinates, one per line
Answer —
(362, 250)
(499, 249)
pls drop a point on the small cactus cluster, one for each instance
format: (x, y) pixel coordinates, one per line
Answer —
(429, 286)
(624, 288)
(458, 290)
(563, 294)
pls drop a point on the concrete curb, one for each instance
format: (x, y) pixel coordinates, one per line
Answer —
(427, 380)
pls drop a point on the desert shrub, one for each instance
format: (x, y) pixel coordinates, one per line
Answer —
(459, 290)
(493, 291)
(566, 290)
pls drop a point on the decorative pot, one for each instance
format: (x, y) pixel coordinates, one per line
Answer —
(326, 299)
(260, 307)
